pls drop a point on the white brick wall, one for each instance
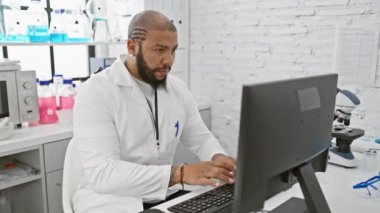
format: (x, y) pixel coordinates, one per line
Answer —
(245, 41)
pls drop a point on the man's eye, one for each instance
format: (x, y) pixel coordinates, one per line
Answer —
(160, 50)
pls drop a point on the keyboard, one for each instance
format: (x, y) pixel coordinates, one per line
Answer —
(215, 200)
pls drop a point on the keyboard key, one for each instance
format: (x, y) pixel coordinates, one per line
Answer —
(214, 200)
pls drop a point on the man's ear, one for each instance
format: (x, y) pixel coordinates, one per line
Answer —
(133, 47)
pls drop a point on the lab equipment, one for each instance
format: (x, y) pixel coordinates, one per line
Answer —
(38, 30)
(341, 154)
(369, 188)
(15, 22)
(272, 153)
(47, 103)
(371, 160)
(346, 102)
(6, 131)
(2, 33)
(77, 24)
(56, 87)
(18, 96)
(66, 96)
(377, 140)
(57, 30)
(97, 11)
(4, 122)
(121, 17)
(3, 6)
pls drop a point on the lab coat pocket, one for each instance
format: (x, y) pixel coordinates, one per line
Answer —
(171, 138)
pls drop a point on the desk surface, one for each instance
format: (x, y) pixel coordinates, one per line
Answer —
(336, 184)
(29, 136)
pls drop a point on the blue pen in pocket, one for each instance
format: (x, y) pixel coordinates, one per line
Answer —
(177, 129)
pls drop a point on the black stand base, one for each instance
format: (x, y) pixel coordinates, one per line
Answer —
(293, 205)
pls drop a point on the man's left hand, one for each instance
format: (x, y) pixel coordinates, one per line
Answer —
(227, 162)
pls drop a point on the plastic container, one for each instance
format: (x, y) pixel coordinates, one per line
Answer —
(15, 23)
(101, 33)
(67, 95)
(38, 30)
(370, 162)
(97, 11)
(77, 27)
(6, 131)
(377, 140)
(56, 86)
(57, 30)
(2, 33)
(46, 104)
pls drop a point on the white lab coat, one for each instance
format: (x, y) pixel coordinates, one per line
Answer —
(115, 137)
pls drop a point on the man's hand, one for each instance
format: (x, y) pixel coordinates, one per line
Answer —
(221, 168)
(205, 173)
(226, 162)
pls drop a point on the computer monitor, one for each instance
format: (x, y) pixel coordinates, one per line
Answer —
(284, 127)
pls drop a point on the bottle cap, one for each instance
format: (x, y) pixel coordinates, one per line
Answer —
(67, 81)
(377, 140)
(44, 82)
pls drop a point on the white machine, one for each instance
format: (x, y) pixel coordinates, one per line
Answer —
(340, 153)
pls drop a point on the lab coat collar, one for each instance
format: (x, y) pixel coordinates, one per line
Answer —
(120, 74)
(122, 77)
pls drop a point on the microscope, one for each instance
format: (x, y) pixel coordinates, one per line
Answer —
(340, 154)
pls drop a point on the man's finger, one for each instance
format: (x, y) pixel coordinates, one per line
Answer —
(207, 181)
(225, 162)
(221, 174)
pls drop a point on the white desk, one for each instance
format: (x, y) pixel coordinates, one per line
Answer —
(336, 184)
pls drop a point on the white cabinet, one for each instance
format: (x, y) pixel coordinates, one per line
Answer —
(27, 193)
(54, 191)
(42, 148)
(54, 156)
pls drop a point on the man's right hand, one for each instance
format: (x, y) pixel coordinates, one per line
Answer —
(203, 173)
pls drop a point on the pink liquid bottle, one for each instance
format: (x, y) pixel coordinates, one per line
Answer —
(46, 104)
(67, 94)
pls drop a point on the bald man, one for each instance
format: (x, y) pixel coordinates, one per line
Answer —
(128, 120)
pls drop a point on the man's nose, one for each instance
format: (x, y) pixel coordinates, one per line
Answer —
(168, 59)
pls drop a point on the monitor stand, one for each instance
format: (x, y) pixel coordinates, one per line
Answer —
(294, 204)
(314, 202)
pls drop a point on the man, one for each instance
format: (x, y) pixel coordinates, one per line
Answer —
(128, 120)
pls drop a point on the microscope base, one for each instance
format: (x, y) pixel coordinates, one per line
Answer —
(341, 159)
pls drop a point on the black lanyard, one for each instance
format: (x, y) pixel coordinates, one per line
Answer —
(155, 118)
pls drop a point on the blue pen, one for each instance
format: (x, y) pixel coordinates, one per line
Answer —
(177, 128)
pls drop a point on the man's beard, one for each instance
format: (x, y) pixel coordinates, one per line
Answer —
(146, 73)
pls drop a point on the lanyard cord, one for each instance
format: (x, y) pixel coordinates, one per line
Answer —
(155, 117)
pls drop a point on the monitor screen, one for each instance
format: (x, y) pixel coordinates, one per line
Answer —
(284, 127)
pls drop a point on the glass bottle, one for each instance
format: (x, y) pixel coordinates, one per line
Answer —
(66, 97)
(38, 30)
(15, 23)
(46, 104)
(57, 30)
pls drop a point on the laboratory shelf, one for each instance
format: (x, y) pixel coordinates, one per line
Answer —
(60, 43)
(20, 181)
